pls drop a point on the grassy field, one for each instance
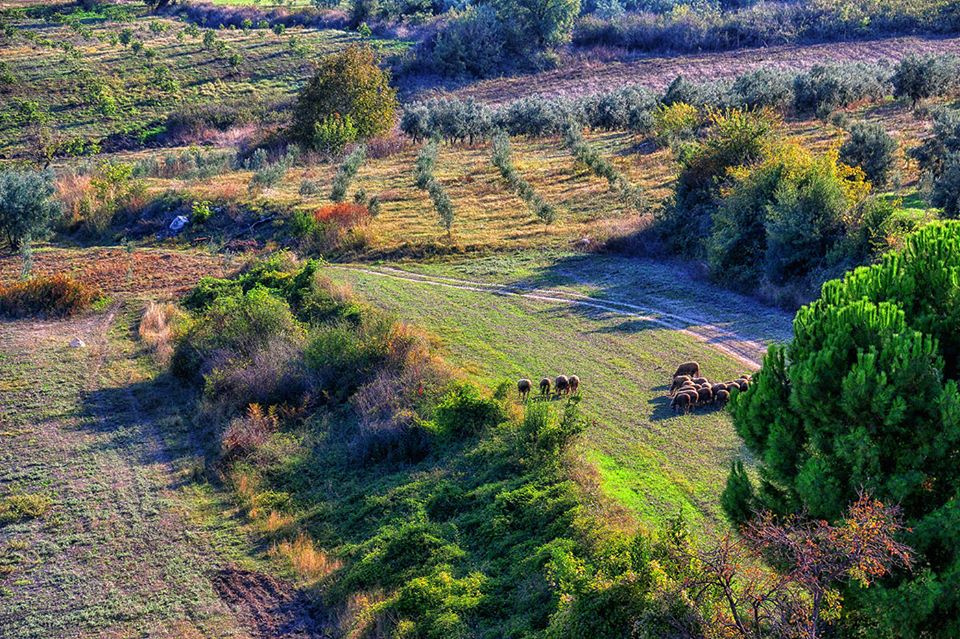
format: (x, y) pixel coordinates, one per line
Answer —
(649, 460)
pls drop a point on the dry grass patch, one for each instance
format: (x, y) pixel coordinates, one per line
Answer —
(158, 329)
(310, 562)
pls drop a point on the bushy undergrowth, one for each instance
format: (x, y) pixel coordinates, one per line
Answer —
(45, 296)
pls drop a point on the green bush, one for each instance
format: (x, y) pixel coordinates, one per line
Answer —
(465, 412)
(333, 133)
(872, 149)
(238, 324)
(347, 84)
(27, 206)
(346, 172)
(920, 77)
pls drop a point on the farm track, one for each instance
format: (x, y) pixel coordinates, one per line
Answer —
(739, 347)
(585, 76)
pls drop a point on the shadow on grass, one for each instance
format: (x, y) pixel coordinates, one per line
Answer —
(651, 294)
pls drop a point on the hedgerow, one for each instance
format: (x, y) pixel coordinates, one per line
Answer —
(501, 159)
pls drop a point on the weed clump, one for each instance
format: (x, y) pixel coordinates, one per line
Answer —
(46, 296)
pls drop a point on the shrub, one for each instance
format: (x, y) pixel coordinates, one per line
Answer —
(27, 207)
(544, 435)
(14, 508)
(471, 44)
(158, 328)
(240, 324)
(824, 89)
(244, 435)
(333, 133)
(630, 108)
(113, 190)
(346, 172)
(945, 192)
(345, 215)
(48, 296)
(872, 149)
(675, 123)
(764, 87)
(347, 84)
(464, 412)
(921, 77)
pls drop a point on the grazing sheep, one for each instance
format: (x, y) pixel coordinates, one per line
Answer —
(561, 385)
(701, 380)
(682, 401)
(704, 396)
(722, 396)
(743, 384)
(545, 386)
(718, 387)
(523, 388)
(574, 384)
(678, 381)
(688, 368)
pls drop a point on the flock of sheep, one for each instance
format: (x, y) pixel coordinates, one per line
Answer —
(690, 390)
(563, 385)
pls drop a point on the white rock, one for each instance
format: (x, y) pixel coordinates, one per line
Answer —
(179, 222)
(76, 342)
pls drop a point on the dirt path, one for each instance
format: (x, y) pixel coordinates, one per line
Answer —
(584, 76)
(747, 351)
(117, 554)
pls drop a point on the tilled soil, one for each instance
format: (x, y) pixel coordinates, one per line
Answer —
(266, 606)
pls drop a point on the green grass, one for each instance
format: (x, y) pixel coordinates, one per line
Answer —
(93, 452)
(648, 459)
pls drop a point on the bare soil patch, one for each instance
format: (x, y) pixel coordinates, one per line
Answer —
(266, 606)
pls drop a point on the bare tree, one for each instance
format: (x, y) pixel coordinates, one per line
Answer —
(735, 594)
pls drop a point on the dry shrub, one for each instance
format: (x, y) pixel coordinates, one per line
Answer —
(412, 378)
(339, 292)
(45, 295)
(245, 434)
(385, 146)
(72, 192)
(273, 374)
(343, 215)
(158, 328)
(307, 560)
(276, 523)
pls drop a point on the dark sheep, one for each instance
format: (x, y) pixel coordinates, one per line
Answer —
(682, 401)
(545, 386)
(704, 396)
(678, 381)
(718, 387)
(722, 396)
(688, 368)
(523, 388)
(574, 384)
(701, 381)
(561, 385)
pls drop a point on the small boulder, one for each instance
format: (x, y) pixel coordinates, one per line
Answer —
(76, 342)
(178, 223)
